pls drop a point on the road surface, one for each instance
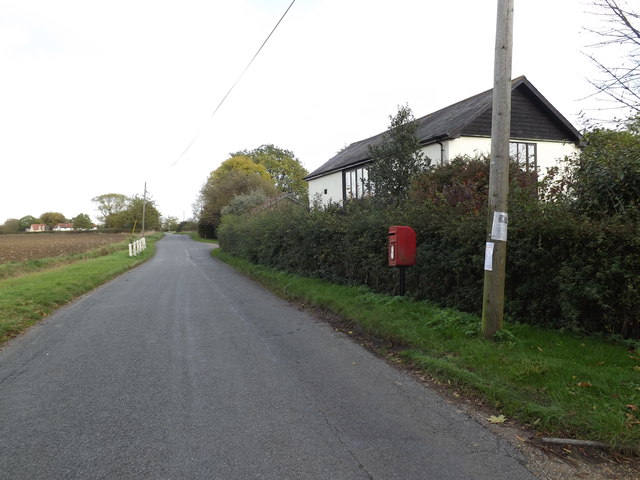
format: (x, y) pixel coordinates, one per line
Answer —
(184, 369)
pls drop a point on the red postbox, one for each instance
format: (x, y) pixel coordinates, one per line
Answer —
(402, 246)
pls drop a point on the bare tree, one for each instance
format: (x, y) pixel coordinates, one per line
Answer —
(619, 29)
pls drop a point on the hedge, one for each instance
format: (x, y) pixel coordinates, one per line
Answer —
(564, 270)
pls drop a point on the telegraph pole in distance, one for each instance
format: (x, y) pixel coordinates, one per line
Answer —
(144, 208)
(496, 246)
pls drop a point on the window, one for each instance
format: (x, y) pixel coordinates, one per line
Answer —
(525, 154)
(356, 183)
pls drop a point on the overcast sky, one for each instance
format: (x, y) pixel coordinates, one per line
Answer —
(98, 97)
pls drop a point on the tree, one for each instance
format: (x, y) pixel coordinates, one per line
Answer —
(187, 226)
(397, 159)
(26, 222)
(11, 225)
(283, 166)
(234, 177)
(619, 30)
(52, 218)
(118, 221)
(170, 224)
(82, 221)
(134, 213)
(109, 204)
(125, 213)
(240, 163)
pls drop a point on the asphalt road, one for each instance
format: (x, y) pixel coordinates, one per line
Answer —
(183, 369)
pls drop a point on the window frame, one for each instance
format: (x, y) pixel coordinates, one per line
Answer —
(524, 153)
(357, 176)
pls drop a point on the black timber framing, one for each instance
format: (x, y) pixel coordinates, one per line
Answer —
(529, 120)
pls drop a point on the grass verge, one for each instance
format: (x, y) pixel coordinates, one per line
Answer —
(559, 384)
(26, 299)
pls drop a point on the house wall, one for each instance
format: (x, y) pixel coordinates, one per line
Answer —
(471, 146)
(434, 152)
(458, 146)
(548, 152)
(333, 185)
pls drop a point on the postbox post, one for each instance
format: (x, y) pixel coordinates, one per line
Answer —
(402, 279)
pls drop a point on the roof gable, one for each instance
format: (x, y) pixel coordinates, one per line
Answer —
(533, 117)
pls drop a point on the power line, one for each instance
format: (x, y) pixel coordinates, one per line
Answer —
(237, 80)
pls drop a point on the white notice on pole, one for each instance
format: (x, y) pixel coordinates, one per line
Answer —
(499, 226)
(488, 257)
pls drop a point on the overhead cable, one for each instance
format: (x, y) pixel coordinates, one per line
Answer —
(237, 80)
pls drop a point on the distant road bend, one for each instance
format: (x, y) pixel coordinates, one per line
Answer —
(184, 369)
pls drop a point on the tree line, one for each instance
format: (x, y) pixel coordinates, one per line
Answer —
(82, 221)
(120, 212)
(116, 212)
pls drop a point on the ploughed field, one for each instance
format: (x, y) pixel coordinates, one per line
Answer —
(31, 246)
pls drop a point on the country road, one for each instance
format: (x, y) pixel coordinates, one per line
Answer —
(184, 369)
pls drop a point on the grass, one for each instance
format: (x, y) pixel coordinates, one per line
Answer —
(560, 384)
(26, 299)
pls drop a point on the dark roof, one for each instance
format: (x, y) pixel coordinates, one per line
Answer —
(533, 117)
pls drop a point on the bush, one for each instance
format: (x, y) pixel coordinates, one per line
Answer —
(244, 203)
(606, 176)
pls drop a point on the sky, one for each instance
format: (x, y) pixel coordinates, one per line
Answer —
(102, 97)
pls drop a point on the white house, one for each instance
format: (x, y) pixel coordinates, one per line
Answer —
(63, 227)
(540, 136)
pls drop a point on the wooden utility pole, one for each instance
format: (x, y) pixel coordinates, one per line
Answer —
(496, 246)
(144, 208)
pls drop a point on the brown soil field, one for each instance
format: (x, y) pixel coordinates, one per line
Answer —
(31, 246)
